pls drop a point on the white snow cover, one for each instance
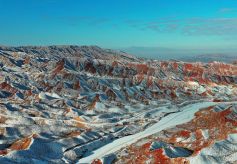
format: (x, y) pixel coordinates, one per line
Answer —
(186, 114)
(220, 152)
(47, 95)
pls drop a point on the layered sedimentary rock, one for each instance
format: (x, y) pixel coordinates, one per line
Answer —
(60, 103)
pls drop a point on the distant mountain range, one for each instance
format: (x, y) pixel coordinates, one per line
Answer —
(189, 55)
(210, 58)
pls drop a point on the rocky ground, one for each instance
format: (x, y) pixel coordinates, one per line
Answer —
(70, 104)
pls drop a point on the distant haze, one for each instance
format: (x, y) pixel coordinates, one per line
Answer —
(179, 53)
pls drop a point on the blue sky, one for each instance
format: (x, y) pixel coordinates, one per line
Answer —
(167, 24)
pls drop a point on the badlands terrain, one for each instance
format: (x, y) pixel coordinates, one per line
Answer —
(71, 104)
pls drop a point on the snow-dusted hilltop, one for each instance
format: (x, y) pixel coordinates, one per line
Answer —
(71, 104)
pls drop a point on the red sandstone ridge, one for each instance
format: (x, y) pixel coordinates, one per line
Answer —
(84, 102)
(207, 127)
(21, 144)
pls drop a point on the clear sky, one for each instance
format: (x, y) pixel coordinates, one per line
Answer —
(172, 24)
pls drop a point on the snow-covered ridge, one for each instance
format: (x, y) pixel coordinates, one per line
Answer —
(184, 115)
(73, 100)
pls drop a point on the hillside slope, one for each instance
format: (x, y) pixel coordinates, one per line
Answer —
(62, 103)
